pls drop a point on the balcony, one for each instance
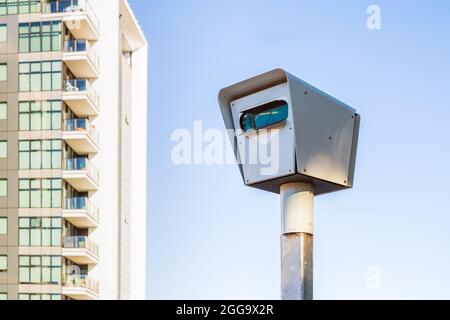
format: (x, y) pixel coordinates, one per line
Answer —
(80, 250)
(81, 97)
(78, 16)
(81, 212)
(81, 136)
(80, 287)
(81, 59)
(81, 174)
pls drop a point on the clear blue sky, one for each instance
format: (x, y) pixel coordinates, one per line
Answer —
(212, 238)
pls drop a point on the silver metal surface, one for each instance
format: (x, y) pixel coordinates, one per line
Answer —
(297, 266)
(324, 129)
(278, 143)
(297, 208)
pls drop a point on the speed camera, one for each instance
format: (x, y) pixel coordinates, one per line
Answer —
(308, 136)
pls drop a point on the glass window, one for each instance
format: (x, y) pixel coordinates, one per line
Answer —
(3, 226)
(40, 76)
(37, 232)
(3, 296)
(3, 263)
(37, 193)
(12, 6)
(3, 110)
(2, 7)
(38, 296)
(40, 154)
(40, 36)
(19, 7)
(3, 72)
(3, 32)
(3, 187)
(40, 269)
(3, 149)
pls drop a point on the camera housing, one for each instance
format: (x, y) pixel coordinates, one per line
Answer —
(312, 136)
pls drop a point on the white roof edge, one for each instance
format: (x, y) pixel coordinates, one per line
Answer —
(132, 27)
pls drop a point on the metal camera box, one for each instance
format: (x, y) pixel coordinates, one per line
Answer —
(288, 131)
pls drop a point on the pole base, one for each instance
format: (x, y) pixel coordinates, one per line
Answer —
(297, 266)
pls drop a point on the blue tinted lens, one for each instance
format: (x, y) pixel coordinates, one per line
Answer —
(265, 116)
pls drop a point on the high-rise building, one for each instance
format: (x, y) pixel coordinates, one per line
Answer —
(73, 110)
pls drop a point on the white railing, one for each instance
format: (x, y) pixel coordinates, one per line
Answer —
(83, 46)
(80, 281)
(81, 242)
(71, 6)
(83, 203)
(83, 164)
(82, 85)
(83, 125)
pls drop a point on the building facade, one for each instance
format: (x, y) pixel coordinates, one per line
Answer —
(73, 110)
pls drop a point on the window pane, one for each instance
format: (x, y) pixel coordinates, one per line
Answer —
(24, 6)
(56, 121)
(36, 160)
(24, 44)
(24, 160)
(24, 199)
(3, 188)
(24, 237)
(56, 275)
(24, 275)
(24, 223)
(3, 263)
(35, 82)
(35, 237)
(46, 121)
(46, 82)
(46, 199)
(46, 43)
(35, 274)
(36, 199)
(56, 199)
(3, 72)
(3, 149)
(46, 238)
(46, 275)
(35, 43)
(12, 7)
(3, 226)
(56, 81)
(56, 42)
(24, 82)
(46, 160)
(56, 237)
(3, 33)
(24, 122)
(56, 160)
(3, 110)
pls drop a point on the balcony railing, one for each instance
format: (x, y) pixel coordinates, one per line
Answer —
(80, 281)
(83, 203)
(81, 242)
(82, 125)
(83, 164)
(66, 6)
(82, 46)
(82, 85)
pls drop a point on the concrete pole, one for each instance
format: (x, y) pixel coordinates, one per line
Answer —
(297, 208)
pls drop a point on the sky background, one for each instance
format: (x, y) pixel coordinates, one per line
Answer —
(212, 238)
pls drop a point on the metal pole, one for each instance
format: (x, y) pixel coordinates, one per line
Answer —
(297, 207)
